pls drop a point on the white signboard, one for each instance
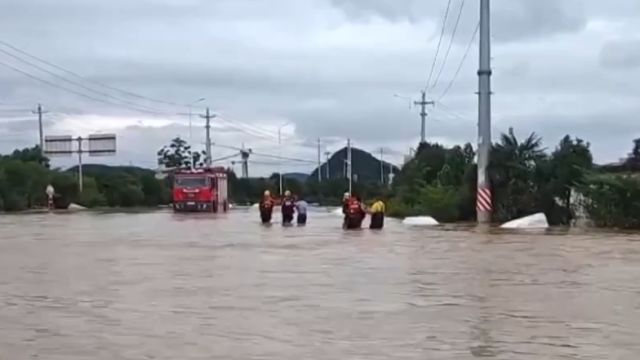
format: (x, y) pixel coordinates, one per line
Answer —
(102, 144)
(58, 145)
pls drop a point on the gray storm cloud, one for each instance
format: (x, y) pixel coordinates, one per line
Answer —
(329, 66)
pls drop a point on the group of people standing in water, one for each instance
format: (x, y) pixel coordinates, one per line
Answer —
(290, 206)
(353, 209)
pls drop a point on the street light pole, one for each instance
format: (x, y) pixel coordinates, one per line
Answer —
(190, 105)
(280, 155)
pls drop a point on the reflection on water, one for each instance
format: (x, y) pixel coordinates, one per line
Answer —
(164, 286)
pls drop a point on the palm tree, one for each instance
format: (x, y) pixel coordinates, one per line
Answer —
(514, 171)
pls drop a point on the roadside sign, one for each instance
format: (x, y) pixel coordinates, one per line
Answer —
(58, 145)
(102, 144)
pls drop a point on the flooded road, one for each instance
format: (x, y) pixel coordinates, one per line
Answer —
(162, 286)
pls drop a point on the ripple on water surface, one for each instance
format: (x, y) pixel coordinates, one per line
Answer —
(164, 286)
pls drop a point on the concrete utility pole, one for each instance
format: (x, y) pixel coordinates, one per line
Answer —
(381, 166)
(423, 115)
(80, 176)
(349, 168)
(245, 161)
(484, 206)
(208, 157)
(40, 127)
(319, 162)
(327, 155)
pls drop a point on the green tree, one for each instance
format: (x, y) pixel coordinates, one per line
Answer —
(24, 184)
(32, 154)
(569, 165)
(66, 187)
(91, 196)
(154, 191)
(513, 168)
(612, 200)
(178, 154)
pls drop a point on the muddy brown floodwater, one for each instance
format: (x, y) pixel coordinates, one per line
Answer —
(162, 286)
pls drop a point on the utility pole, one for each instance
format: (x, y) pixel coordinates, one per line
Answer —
(349, 168)
(208, 157)
(327, 155)
(245, 161)
(319, 162)
(80, 177)
(40, 127)
(381, 166)
(423, 115)
(280, 161)
(484, 206)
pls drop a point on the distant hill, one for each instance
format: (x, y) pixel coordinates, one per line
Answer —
(366, 167)
(94, 170)
(301, 177)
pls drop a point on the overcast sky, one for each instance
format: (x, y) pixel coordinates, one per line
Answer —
(330, 68)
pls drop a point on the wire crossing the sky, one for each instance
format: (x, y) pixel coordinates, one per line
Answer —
(435, 58)
(451, 40)
(462, 61)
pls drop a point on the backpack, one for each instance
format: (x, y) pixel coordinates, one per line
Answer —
(354, 208)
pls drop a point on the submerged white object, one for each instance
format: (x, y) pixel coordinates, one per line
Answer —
(73, 206)
(535, 221)
(420, 221)
(337, 211)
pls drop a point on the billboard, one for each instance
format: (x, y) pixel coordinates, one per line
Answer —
(58, 145)
(102, 144)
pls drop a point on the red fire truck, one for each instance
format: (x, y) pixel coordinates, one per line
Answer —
(200, 190)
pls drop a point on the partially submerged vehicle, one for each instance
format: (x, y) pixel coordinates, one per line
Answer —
(201, 190)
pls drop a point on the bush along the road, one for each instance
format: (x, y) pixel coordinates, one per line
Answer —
(24, 176)
(613, 201)
(525, 179)
(439, 181)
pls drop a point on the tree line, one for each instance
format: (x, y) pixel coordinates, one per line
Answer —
(439, 181)
(525, 179)
(25, 174)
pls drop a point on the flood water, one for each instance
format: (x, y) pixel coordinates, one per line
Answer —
(162, 286)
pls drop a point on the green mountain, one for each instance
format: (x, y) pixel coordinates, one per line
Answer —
(301, 177)
(366, 167)
(97, 170)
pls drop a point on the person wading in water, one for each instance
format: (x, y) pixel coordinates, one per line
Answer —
(377, 211)
(355, 213)
(288, 208)
(301, 210)
(266, 207)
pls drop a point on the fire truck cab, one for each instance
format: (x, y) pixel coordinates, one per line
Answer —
(200, 190)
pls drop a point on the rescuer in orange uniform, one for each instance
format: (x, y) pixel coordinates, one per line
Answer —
(354, 213)
(266, 207)
(288, 208)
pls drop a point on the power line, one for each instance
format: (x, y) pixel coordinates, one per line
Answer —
(275, 163)
(9, 119)
(446, 55)
(244, 130)
(226, 147)
(284, 158)
(86, 79)
(250, 127)
(435, 58)
(72, 91)
(464, 57)
(225, 157)
(75, 83)
(450, 111)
